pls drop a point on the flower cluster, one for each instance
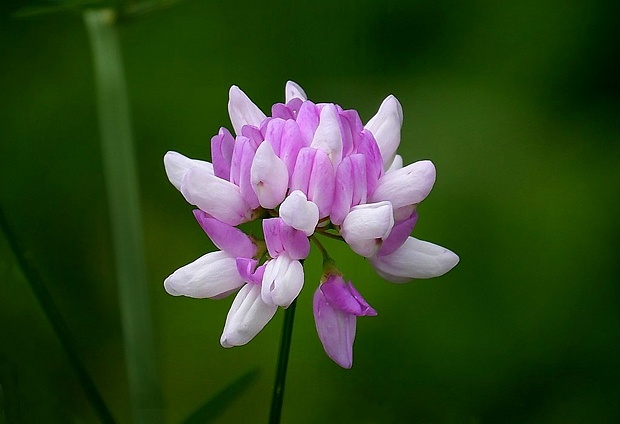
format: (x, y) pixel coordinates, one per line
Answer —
(307, 169)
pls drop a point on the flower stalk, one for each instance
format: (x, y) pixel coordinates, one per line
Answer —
(283, 354)
(125, 218)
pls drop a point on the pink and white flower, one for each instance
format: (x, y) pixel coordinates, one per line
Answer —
(308, 169)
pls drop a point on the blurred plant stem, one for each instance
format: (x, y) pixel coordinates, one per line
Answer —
(57, 322)
(125, 218)
(283, 354)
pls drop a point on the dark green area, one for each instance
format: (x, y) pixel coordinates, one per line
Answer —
(516, 103)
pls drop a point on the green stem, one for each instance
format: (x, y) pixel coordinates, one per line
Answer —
(283, 354)
(125, 218)
(58, 324)
(326, 257)
(330, 235)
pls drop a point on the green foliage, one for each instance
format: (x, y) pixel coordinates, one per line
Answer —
(209, 411)
(516, 104)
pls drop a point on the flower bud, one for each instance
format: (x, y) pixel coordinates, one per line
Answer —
(248, 315)
(210, 276)
(415, 259)
(366, 226)
(282, 281)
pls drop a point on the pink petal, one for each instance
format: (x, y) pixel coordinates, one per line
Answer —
(336, 330)
(226, 237)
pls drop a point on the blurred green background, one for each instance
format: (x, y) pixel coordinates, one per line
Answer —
(516, 103)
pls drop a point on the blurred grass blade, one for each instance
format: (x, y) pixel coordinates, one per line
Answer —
(48, 8)
(125, 218)
(135, 9)
(215, 406)
(57, 322)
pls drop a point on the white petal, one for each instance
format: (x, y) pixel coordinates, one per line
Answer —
(328, 136)
(294, 91)
(217, 197)
(366, 226)
(269, 177)
(406, 186)
(242, 110)
(210, 275)
(385, 126)
(415, 259)
(282, 281)
(396, 164)
(247, 316)
(300, 213)
(177, 165)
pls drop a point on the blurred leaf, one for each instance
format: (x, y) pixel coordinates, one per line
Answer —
(60, 7)
(215, 406)
(133, 9)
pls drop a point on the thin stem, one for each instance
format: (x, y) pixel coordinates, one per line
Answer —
(330, 235)
(125, 218)
(58, 324)
(283, 354)
(326, 257)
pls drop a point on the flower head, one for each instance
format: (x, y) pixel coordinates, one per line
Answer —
(306, 170)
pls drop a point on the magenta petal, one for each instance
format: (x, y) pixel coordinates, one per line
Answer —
(296, 243)
(367, 310)
(345, 297)
(350, 187)
(273, 134)
(351, 126)
(285, 138)
(226, 237)
(336, 330)
(308, 121)
(294, 105)
(343, 192)
(221, 153)
(279, 110)
(374, 162)
(235, 162)
(254, 134)
(339, 296)
(359, 179)
(281, 237)
(303, 169)
(398, 236)
(322, 183)
(291, 145)
(248, 270)
(240, 168)
(271, 232)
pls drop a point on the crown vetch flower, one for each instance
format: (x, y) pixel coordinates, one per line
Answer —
(336, 308)
(309, 169)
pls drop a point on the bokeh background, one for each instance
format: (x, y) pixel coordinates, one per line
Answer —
(516, 103)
